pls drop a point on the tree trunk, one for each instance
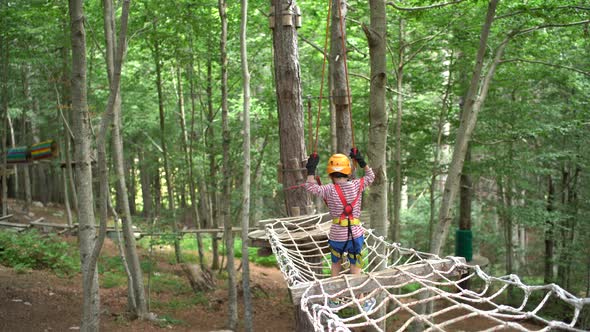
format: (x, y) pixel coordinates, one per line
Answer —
(203, 187)
(376, 36)
(131, 172)
(246, 173)
(167, 171)
(13, 183)
(474, 99)
(136, 283)
(212, 188)
(464, 247)
(290, 106)
(144, 178)
(114, 61)
(339, 72)
(395, 235)
(290, 112)
(28, 200)
(549, 233)
(505, 196)
(439, 149)
(4, 53)
(87, 232)
(157, 192)
(378, 126)
(227, 176)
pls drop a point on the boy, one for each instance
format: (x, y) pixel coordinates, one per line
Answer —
(343, 197)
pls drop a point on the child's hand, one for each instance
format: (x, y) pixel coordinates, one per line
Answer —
(312, 163)
(356, 155)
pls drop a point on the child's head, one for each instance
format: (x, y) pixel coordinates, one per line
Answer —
(339, 166)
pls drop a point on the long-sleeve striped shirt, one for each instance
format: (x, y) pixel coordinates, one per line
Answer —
(350, 189)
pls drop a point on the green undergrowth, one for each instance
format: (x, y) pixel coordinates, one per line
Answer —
(31, 250)
(188, 245)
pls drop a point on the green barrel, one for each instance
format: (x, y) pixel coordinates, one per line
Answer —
(464, 244)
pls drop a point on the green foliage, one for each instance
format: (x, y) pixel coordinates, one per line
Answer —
(110, 264)
(169, 283)
(31, 250)
(166, 320)
(113, 279)
(179, 303)
(269, 261)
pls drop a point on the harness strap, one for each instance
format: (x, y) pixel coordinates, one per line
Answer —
(346, 215)
(348, 208)
(346, 222)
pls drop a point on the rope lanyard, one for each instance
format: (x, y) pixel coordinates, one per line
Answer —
(317, 127)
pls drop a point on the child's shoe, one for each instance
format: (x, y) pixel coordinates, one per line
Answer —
(369, 304)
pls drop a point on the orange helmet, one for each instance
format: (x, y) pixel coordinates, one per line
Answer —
(339, 163)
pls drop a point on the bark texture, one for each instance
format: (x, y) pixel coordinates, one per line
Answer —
(87, 232)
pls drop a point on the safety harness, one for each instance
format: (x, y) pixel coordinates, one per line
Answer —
(347, 219)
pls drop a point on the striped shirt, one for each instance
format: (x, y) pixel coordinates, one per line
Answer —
(350, 189)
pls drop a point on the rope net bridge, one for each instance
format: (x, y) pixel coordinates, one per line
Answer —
(414, 290)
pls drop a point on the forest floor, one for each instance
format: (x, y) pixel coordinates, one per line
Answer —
(41, 301)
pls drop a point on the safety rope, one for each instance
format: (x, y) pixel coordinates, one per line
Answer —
(325, 53)
(317, 125)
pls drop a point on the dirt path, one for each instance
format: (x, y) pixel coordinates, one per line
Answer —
(40, 301)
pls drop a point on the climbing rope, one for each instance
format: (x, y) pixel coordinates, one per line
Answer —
(344, 59)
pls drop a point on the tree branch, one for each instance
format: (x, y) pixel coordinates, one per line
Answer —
(440, 5)
(551, 25)
(536, 9)
(310, 43)
(586, 73)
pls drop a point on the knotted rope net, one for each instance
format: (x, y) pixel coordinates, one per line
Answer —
(413, 290)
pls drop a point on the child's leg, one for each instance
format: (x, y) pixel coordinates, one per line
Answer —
(355, 269)
(336, 268)
(336, 249)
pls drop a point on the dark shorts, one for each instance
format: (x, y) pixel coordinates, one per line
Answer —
(352, 247)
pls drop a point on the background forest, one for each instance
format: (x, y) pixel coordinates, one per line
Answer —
(524, 185)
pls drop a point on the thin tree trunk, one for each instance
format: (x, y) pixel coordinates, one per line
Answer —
(549, 233)
(190, 154)
(397, 179)
(131, 172)
(225, 209)
(212, 188)
(13, 184)
(144, 178)
(37, 173)
(157, 192)
(4, 53)
(70, 172)
(473, 102)
(115, 55)
(246, 174)
(67, 118)
(28, 200)
(167, 171)
(136, 283)
(438, 151)
(87, 232)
